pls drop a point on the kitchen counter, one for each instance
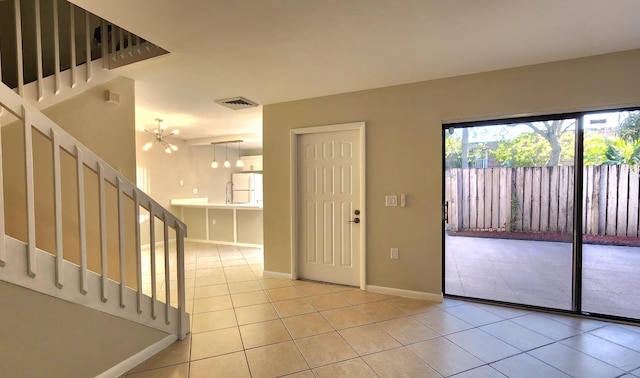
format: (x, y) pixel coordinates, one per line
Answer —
(235, 224)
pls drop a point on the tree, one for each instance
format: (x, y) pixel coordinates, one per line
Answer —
(623, 151)
(531, 150)
(595, 148)
(465, 148)
(552, 132)
(629, 129)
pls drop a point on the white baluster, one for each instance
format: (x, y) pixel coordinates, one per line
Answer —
(183, 323)
(103, 233)
(31, 212)
(138, 249)
(56, 47)
(72, 34)
(123, 283)
(39, 51)
(82, 222)
(87, 40)
(152, 248)
(167, 273)
(19, 57)
(3, 248)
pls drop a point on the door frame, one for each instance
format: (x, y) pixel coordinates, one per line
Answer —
(293, 156)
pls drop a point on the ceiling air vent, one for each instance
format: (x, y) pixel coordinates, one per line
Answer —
(236, 103)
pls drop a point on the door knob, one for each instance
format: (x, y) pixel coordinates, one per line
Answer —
(355, 220)
(357, 212)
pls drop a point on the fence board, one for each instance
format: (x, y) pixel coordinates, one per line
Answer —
(457, 193)
(623, 193)
(563, 187)
(488, 195)
(519, 189)
(544, 199)
(505, 201)
(632, 215)
(587, 191)
(612, 199)
(480, 199)
(508, 201)
(464, 203)
(526, 205)
(473, 199)
(535, 198)
(495, 200)
(602, 199)
(570, 197)
(553, 198)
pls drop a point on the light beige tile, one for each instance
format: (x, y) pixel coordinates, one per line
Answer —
(209, 264)
(380, 311)
(174, 354)
(407, 330)
(442, 322)
(264, 333)
(307, 325)
(228, 365)
(275, 360)
(325, 349)
(272, 283)
(210, 291)
(244, 287)
(357, 296)
(283, 293)
(368, 339)
(346, 317)
(314, 289)
(340, 288)
(237, 269)
(444, 356)
(209, 304)
(255, 313)
(306, 374)
(240, 277)
(328, 301)
(350, 368)
(215, 343)
(210, 321)
(399, 362)
(175, 371)
(208, 272)
(235, 262)
(248, 299)
(483, 345)
(412, 306)
(293, 307)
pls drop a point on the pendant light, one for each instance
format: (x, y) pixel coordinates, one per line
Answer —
(226, 160)
(214, 163)
(239, 163)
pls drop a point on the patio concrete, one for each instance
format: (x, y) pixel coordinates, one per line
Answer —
(539, 273)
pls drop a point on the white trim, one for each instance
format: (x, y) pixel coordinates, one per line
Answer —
(406, 293)
(293, 157)
(269, 274)
(138, 358)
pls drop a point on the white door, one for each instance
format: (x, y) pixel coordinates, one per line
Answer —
(328, 204)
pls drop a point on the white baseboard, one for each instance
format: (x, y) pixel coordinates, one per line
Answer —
(405, 293)
(284, 276)
(138, 358)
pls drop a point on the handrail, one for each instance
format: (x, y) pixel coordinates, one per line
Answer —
(34, 119)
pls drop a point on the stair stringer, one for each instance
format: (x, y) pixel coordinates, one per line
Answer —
(15, 272)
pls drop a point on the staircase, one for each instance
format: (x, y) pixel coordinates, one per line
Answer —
(50, 50)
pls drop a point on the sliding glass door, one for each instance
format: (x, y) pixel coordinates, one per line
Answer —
(512, 229)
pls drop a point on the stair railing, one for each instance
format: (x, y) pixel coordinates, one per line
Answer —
(62, 141)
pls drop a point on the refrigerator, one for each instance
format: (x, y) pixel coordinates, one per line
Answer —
(247, 188)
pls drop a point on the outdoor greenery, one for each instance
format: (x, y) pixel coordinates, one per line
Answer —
(531, 150)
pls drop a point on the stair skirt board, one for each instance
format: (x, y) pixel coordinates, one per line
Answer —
(138, 358)
(15, 272)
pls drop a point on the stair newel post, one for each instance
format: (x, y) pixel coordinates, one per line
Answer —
(167, 267)
(123, 283)
(152, 249)
(103, 234)
(82, 221)
(57, 191)
(30, 186)
(3, 248)
(183, 317)
(138, 242)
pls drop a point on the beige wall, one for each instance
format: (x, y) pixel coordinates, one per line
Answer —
(404, 150)
(107, 130)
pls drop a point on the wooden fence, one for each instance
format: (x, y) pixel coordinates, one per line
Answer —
(540, 199)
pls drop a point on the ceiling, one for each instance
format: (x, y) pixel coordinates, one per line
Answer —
(272, 51)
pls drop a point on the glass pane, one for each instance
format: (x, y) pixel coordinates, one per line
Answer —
(509, 191)
(611, 247)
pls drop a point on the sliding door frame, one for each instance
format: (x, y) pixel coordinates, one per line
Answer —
(577, 233)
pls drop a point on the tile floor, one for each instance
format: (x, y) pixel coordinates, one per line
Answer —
(244, 325)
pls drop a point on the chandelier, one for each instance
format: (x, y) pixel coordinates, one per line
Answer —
(159, 134)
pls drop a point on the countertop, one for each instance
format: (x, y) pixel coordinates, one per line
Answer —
(205, 204)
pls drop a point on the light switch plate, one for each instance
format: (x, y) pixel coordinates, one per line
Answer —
(394, 254)
(391, 201)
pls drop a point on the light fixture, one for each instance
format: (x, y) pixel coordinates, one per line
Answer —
(214, 163)
(160, 133)
(239, 163)
(226, 160)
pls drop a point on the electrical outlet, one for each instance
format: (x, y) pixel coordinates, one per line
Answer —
(394, 254)
(195, 190)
